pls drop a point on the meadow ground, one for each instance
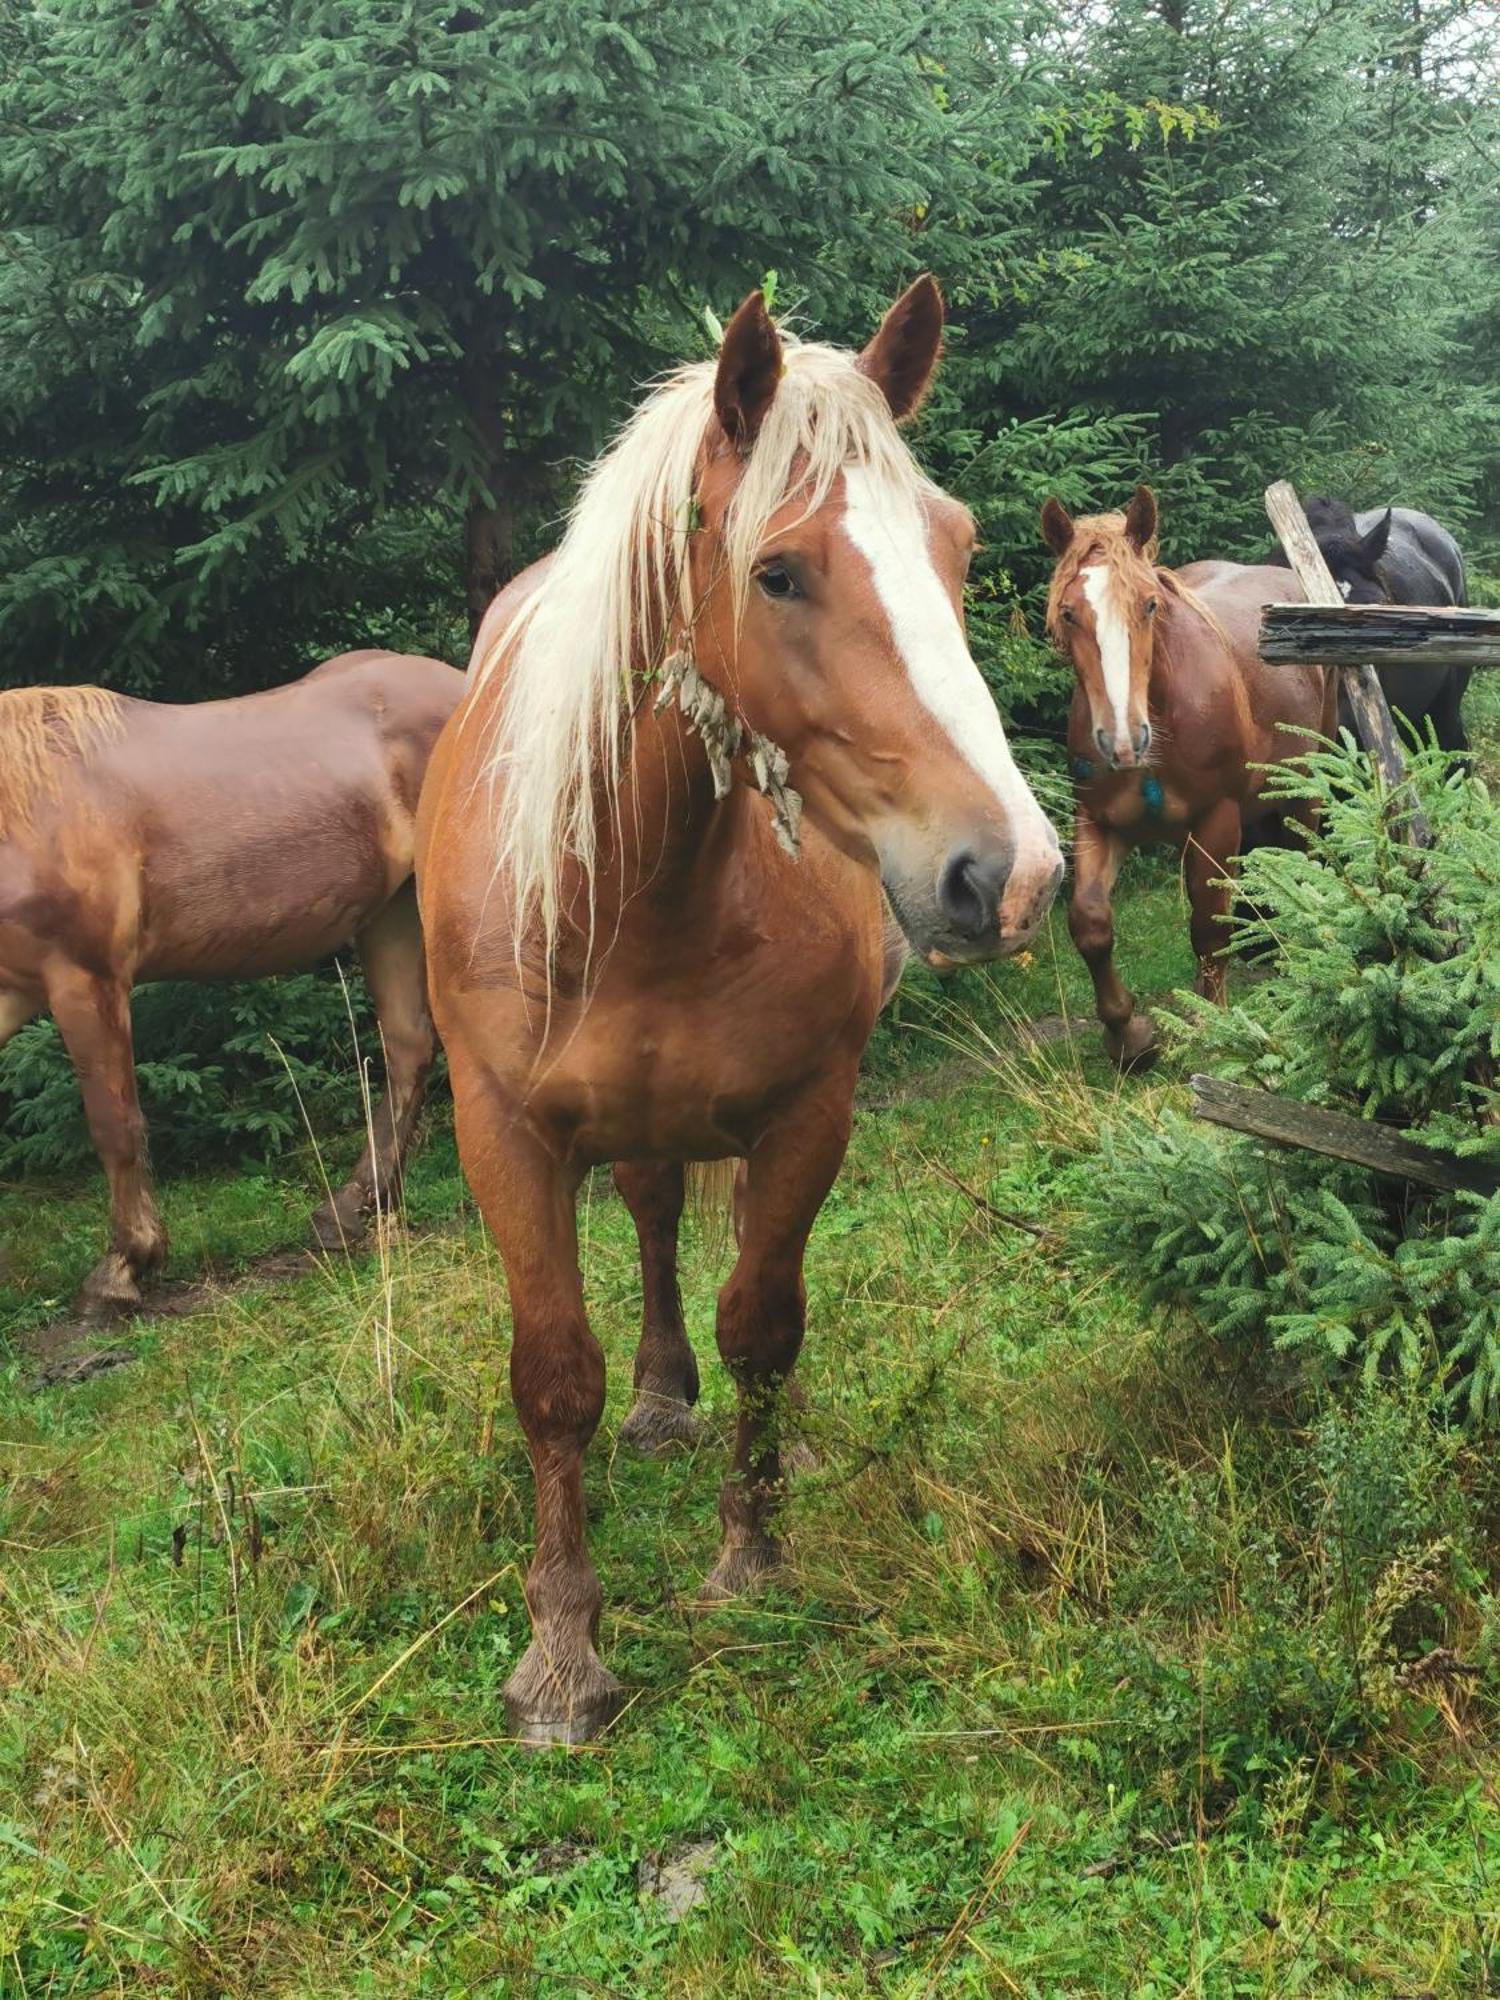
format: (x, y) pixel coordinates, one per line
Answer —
(1096, 1669)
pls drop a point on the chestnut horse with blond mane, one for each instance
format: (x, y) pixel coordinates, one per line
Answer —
(1174, 719)
(223, 840)
(698, 741)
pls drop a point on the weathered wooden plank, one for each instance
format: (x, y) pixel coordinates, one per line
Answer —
(1397, 635)
(1366, 697)
(1288, 1123)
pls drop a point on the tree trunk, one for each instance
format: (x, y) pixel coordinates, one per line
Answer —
(489, 527)
(489, 543)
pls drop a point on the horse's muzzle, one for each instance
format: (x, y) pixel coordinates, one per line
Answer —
(980, 906)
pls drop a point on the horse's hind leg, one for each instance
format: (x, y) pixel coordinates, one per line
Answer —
(1208, 862)
(16, 1009)
(762, 1312)
(93, 1018)
(1128, 1037)
(390, 949)
(666, 1369)
(1447, 712)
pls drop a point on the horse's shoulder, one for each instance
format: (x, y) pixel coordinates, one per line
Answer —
(503, 609)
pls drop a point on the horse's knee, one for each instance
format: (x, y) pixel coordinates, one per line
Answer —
(557, 1379)
(1091, 925)
(120, 1135)
(760, 1325)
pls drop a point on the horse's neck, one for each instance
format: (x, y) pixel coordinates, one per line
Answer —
(661, 824)
(1194, 647)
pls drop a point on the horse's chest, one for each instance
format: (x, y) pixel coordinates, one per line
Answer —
(1144, 805)
(693, 1067)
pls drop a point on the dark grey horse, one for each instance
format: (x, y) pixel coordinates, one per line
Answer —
(1394, 555)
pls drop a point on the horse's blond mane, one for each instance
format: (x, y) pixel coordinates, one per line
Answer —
(40, 729)
(1101, 538)
(618, 596)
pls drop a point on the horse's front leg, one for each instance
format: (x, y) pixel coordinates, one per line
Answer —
(1129, 1037)
(1208, 862)
(93, 1018)
(762, 1314)
(390, 950)
(561, 1691)
(666, 1369)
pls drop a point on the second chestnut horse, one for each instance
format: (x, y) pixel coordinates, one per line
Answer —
(215, 840)
(1174, 717)
(697, 743)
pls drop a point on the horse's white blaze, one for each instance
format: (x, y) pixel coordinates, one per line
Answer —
(1113, 637)
(887, 527)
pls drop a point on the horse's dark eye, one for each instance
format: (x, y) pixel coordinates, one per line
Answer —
(776, 580)
(1150, 607)
(1067, 616)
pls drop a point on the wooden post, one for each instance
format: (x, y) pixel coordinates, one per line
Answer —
(1366, 696)
(1366, 1143)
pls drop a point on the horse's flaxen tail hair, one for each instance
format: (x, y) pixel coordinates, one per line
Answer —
(41, 730)
(710, 1193)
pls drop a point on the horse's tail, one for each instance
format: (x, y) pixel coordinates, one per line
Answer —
(710, 1193)
(41, 727)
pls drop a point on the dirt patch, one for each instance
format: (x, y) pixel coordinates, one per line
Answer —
(1049, 1028)
(71, 1349)
(676, 1882)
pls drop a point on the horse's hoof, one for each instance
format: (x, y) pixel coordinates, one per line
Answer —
(542, 1732)
(336, 1227)
(739, 1570)
(550, 1701)
(658, 1424)
(1134, 1048)
(110, 1291)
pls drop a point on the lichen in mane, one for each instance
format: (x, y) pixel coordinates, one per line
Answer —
(42, 728)
(618, 594)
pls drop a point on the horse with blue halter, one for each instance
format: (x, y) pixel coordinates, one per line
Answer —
(699, 742)
(141, 840)
(1175, 719)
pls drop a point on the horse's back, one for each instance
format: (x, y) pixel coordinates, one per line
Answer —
(1235, 594)
(243, 836)
(1280, 698)
(1422, 564)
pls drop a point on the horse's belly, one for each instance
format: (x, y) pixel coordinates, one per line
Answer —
(249, 915)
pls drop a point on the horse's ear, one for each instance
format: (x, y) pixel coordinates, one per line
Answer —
(1372, 548)
(1057, 527)
(750, 366)
(905, 349)
(1140, 518)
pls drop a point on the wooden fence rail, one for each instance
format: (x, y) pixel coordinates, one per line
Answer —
(1398, 635)
(1360, 1140)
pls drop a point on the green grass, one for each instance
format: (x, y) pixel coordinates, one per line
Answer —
(1090, 1672)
